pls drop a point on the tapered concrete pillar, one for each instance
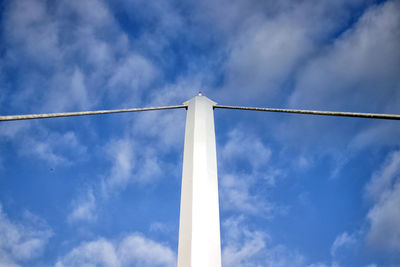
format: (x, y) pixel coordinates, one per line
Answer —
(199, 230)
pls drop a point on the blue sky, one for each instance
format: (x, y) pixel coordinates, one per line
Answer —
(295, 190)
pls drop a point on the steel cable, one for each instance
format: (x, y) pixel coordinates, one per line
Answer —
(319, 112)
(82, 113)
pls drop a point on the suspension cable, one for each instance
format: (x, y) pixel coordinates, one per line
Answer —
(82, 113)
(319, 112)
(297, 111)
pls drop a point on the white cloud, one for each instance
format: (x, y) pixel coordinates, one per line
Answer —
(12, 128)
(381, 233)
(151, 169)
(52, 147)
(84, 208)
(245, 247)
(22, 241)
(165, 23)
(243, 161)
(244, 147)
(317, 265)
(95, 253)
(159, 227)
(121, 153)
(29, 29)
(133, 250)
(32, 140)
(91, 12)
(384, 216)
(323, 265)
(130, 75)
(165, 128)
(345, 68)
(76, 63)
(384, 179)
(68, 90)
(358, 71)
(268, 42)
(343, 240)
(380, 133)
(130, 163)
(263, 57)
(236, 195)
(140, 251)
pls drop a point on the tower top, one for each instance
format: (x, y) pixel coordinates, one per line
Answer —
(199, 97)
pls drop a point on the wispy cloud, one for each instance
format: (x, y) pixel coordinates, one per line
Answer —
(84, 208)
(246, 247)
(22, 241)
(264, 56)
(380, 231)
(343, 240)
(75, 67)
(345, 65)
(130, 164)
(244, 160)
(121, 153)
(53, 147)
(36, 141)
(99, 252)
(384, 216)
(132, 250)
(236, 196)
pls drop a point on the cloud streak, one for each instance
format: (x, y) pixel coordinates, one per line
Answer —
(132, 250)
(246, 247)
(384, 216)
(22, 242)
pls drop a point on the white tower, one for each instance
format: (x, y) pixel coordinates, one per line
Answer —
(199, 228)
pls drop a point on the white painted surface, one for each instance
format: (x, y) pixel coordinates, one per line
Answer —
(199, 230)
